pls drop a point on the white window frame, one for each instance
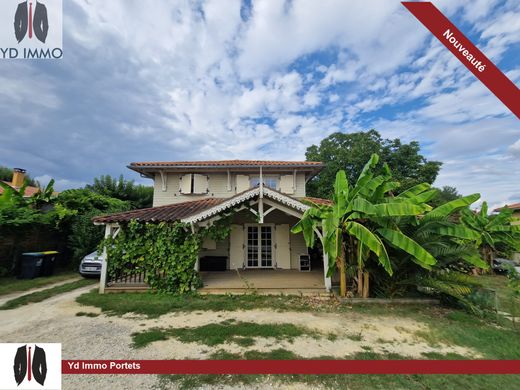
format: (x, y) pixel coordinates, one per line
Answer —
(273, 245)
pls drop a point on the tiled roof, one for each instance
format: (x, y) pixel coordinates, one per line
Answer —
(29, 190)
(227, 163)
(514, 206)
(318, 200)
(168, 213)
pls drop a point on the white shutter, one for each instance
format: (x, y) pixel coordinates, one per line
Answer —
(236, 247)
(185, 184)
(287, 184)
(283, 253)
(242, 183)
(200, 184)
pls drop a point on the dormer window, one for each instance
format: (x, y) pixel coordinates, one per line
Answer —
(269, 181)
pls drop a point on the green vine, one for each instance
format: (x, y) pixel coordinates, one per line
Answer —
(165, 252)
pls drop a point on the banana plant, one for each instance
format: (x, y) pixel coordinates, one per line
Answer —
(363, 219)
(491, 230)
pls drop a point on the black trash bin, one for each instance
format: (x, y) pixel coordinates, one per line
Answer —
(49, 260)
(30, 265)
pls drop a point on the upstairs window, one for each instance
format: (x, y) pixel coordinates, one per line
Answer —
(269, 181)
(193, 183)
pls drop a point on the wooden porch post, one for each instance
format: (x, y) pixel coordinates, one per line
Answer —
(103, 277)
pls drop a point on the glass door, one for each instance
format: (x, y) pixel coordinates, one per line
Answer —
(259, 246)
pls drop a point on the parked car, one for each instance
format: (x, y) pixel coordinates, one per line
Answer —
(503, 265)
(91, 265)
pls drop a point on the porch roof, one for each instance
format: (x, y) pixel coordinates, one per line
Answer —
(199, 210)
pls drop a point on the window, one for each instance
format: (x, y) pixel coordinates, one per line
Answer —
(269, 181)
(194, 184)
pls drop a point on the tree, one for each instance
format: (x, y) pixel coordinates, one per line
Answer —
(362, 222)
(492, 230)
(349, 152)
(139, 196)
(445, 194)
(75, 209)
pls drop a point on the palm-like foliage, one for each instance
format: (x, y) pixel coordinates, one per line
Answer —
(364, 219)
(492, 230)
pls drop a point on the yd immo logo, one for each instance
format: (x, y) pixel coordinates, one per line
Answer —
(29, 21)
(30, 365)
(31, 29)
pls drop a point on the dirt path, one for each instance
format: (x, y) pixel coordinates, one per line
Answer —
(8, 297)
(105, 337)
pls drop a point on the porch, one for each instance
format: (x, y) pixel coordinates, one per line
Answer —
(263, 281)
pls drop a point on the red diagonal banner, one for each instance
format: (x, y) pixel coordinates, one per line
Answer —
(313, 367)
(467, 53)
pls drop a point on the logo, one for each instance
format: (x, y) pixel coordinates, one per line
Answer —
(27, 22)
(30, 366)
(37, 32)
(24, 369)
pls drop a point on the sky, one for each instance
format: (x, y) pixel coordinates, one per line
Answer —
(150, 80)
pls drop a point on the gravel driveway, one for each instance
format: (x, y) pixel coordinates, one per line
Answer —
(106, 337)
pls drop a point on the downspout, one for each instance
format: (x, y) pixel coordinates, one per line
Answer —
(261, 199)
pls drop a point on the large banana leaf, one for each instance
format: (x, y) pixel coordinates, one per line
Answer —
(371, 241)
(341, 191)
(414, 191)
(450, 207)
(458, 231)
(398, 209)
(366, 173)
(405, 243)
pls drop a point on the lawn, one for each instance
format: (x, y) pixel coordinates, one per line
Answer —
(42, 295)
(10, 285)
(443, 325)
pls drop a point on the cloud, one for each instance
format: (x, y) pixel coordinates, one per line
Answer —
(215, 79)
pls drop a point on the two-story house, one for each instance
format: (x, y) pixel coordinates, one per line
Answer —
(266, 197)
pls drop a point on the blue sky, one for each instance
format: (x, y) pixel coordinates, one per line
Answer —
(176, 80)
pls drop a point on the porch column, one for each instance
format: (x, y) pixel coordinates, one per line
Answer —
(328, 281)
(103, 277)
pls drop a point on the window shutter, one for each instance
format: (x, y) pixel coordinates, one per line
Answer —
(242, 183)
(200, 184)
(185, 184)
(286, 184)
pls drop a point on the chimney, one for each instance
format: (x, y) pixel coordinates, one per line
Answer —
(18, 177)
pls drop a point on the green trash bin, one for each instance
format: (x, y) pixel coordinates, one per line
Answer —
(49, 260)
(30, 265)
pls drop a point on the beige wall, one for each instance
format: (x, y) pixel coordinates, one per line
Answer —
(218, 188)
(234, 246)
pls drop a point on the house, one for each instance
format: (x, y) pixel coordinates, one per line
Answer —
(266, 197)
(17, 182)
(516, 210)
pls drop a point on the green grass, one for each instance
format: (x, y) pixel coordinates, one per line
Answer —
(154, 305)
(355, 382)
(45, 294)
(450, 326)
(10, 285)
(498, 283)
(241, 333)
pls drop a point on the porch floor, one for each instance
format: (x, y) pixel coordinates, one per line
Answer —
(263, 281)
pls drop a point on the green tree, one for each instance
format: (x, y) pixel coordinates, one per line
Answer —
(445, 194)
(363, 221)
(492, 230)
(138, 195)
(75, 209)
(350, 151)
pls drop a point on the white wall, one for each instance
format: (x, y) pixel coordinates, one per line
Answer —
(218, 188)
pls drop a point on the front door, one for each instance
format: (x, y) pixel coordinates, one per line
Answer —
(259, 246)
